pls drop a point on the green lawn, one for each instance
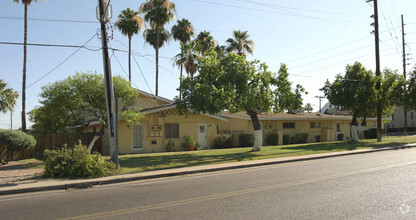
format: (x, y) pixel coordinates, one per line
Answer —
(134, 163)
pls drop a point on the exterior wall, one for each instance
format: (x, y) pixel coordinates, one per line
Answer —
(370, 125)
(327, 131)
(154, 140)
(398, 118)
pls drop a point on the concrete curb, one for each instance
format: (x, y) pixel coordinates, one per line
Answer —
(79, 184)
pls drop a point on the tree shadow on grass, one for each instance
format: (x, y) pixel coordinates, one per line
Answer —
(182, 160)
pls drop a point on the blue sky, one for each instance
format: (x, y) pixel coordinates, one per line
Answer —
(316, 39)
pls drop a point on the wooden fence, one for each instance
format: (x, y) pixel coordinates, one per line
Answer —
(55, 141)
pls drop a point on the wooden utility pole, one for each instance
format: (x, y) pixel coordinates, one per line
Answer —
(108, 80)
(378, 74)
(404, 74)
(320, 98)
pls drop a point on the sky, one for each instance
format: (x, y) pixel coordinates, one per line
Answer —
(315, 39)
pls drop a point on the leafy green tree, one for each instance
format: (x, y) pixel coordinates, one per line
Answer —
(77, 101)
(355, 92)
(182, 31)
(408, 98)
(8, 97)
(308, 107)
(14, 141)
(235, 84)
(205, 41)
(26, 3)
(129, 23)
(157, 13)
(240, 43)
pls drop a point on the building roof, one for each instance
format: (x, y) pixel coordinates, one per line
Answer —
(292, 117)
(172, 106)
(153, 96)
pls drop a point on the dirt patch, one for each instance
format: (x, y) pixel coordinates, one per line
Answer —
(16, 172)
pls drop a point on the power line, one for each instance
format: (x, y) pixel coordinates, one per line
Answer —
(144, 56)
(48, 20)
(275, 12)
(49, 45)
(334, 64)
(144, 78)
(322, 51)
(61, 63)
(299, 9)
(125, 73)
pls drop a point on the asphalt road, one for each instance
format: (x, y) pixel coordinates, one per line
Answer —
(368, 186)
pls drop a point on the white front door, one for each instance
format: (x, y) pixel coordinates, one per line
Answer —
(202, 135)
(138, 137)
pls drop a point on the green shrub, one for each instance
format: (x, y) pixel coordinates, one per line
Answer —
(170, 146)
(75, 162)
(286, 139)
(272, 139)
(223, 141)
(301, 138)
(246, 140)
(318, 138)
(14, 141)
(370, 133)
(189, 141)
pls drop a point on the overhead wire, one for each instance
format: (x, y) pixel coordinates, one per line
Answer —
(335, 21)
(61, 63)
(50, 45)
(48, 20)
(125, 73)
(137, 63)
(322, 51)
(386, 14)
(299, 9)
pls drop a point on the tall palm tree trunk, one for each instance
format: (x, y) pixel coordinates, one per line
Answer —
(24, 74)
(130, 61)
(180, 82)
(157, 60)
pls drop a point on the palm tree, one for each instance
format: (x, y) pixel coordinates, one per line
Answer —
(183, 31)
(150, 37)
(157, 13)
(8, 97)
(240, 43)
(26, 3)
(129, 23)
(221, 51)
(205, 41)
(189, 57)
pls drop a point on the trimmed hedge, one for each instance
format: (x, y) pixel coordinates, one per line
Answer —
(223, 142)
(301, 138)
(14, 141)
(370, 133)
(246, 140)
(75, 162)
(272, 139)
(286, 139)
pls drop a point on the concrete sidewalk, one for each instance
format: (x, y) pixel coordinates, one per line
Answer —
(85, 183)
